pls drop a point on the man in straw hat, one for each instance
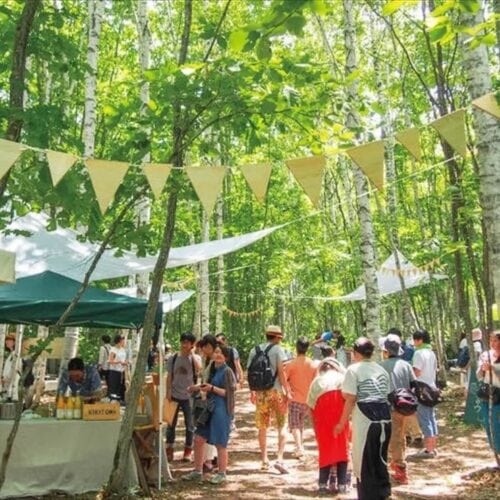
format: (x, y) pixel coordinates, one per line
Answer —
(271, 403)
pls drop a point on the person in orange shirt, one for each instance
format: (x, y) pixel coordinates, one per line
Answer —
(299, 373)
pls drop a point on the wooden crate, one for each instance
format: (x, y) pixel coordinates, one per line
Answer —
(101, 411)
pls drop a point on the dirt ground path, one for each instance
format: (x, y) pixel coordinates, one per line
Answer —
(463, 452)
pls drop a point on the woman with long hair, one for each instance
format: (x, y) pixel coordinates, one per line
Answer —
(327, 404)
(219, 390)
(489, 372)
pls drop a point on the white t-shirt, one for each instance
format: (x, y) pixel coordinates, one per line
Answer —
(120, 355)
(425, 360)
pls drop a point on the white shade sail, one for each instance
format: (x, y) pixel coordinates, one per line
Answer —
(61, 252)
(170, 300)
(389, 281)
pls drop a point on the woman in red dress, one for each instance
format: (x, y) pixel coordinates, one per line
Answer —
(326, 403)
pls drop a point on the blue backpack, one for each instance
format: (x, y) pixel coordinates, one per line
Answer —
(463, 357)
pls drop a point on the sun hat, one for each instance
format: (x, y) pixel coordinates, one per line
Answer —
(392, 345)
(274, 330)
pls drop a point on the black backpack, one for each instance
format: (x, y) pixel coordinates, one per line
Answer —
(260, 373)
(463, 357)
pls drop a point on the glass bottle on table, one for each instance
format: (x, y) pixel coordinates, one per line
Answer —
(69, 405)
(77, 406)
(60, 407)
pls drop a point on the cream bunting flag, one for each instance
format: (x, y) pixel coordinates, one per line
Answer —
(7, 267)
(370, 159)
(157, 175)
(207, 183)
(59, 164)
(257, 177)
(309, 174)
(9, 153)
(410, 139)
(452, 129)
(488, 103)
(106, 176)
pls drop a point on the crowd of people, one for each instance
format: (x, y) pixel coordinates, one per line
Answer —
(363, 410)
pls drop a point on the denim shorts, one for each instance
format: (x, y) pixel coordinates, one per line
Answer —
(427, 420)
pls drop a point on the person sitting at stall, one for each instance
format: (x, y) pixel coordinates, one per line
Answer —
(80, 379)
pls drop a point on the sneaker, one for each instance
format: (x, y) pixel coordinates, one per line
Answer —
(425, 454)
(399, 474)
(219, 478)
(342, 489)
(280, 467)
(187, 455)
(170, 454)
(194, 475)
(323, 489)
(264, 466)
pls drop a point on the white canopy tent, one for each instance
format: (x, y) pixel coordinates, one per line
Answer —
(61, 252)
(170, 300)
(389, 280)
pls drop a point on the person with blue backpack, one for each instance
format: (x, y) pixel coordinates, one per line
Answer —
(270, 393)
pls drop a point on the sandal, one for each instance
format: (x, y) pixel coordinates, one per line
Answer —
(280, 468)
(264, 466)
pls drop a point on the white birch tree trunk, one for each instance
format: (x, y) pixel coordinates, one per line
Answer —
(40, 368)
(204, 293)
(219, 318)
(368, 257)
(95, 14)
(477, 70)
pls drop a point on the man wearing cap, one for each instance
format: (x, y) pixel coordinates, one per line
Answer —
(401, 376)
(271, 404)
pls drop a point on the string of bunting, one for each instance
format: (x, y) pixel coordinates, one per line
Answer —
(106, 176)
(248, 314)
(410, 272)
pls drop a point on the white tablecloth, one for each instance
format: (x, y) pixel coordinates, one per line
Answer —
(71, 456)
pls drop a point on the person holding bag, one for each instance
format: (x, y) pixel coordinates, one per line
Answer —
(488, 374)
(214, 424)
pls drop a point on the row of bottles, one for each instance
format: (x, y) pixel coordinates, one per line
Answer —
(69, 407)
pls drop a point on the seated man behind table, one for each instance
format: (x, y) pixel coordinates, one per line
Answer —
(81, 379)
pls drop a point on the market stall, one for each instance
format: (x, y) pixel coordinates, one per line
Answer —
(70, 456)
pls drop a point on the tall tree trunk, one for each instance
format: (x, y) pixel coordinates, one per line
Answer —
(368, 257)
(117, 485)
(477, 70)
(95, 13)
(219, 304)
(204, 291)
(16, 80)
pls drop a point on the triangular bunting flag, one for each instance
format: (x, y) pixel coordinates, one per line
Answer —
(370, 159)
(410, 139)
(452, 129)
(157, 175)
(257, 177)
(106, 176)
(207, 183)
(59, 164)
(489, 104)
(9, 153)
(7, 267)
(309, 174)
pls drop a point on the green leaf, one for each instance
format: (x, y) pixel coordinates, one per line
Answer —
(152, 105)
(391, 7)
(437, 33)
(237, 40)
(263, 49)
(296, 24)
(468, 6)
(443, 9)
(319, 7)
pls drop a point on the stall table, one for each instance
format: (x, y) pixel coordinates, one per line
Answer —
(69, 456)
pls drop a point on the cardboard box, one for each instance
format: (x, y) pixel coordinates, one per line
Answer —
(101, 411)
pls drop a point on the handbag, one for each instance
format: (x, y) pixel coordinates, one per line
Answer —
(483, 392)
(403, 401)
(202, 411)
(427, 395)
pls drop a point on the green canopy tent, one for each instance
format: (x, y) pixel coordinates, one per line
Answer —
(42, 299)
